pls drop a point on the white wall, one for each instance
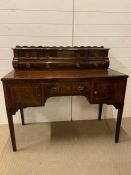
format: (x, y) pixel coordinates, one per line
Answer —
(43, 22)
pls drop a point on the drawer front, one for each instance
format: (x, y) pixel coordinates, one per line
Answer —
(25, 94)
(109, 91)
(57, 89)
(67, 88)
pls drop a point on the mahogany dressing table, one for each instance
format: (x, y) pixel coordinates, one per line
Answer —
(43, 72)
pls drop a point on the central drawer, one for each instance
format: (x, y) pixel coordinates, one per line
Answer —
(66, 89)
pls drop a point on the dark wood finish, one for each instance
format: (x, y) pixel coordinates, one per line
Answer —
(24, 94)
(108, 90)
(29, 88)
(100, 111)
(22, 116)
(32, 58)
(12, 132)
(118, 125)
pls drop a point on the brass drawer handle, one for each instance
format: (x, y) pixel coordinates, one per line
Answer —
(80, 88)
(54, 89)
(27, 65)
(95, 92)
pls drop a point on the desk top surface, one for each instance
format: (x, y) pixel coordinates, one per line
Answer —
(61, 74)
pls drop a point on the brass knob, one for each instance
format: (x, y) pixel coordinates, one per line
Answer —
(39, 95)
(95, 92)
(78, 65)
(47, 65)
